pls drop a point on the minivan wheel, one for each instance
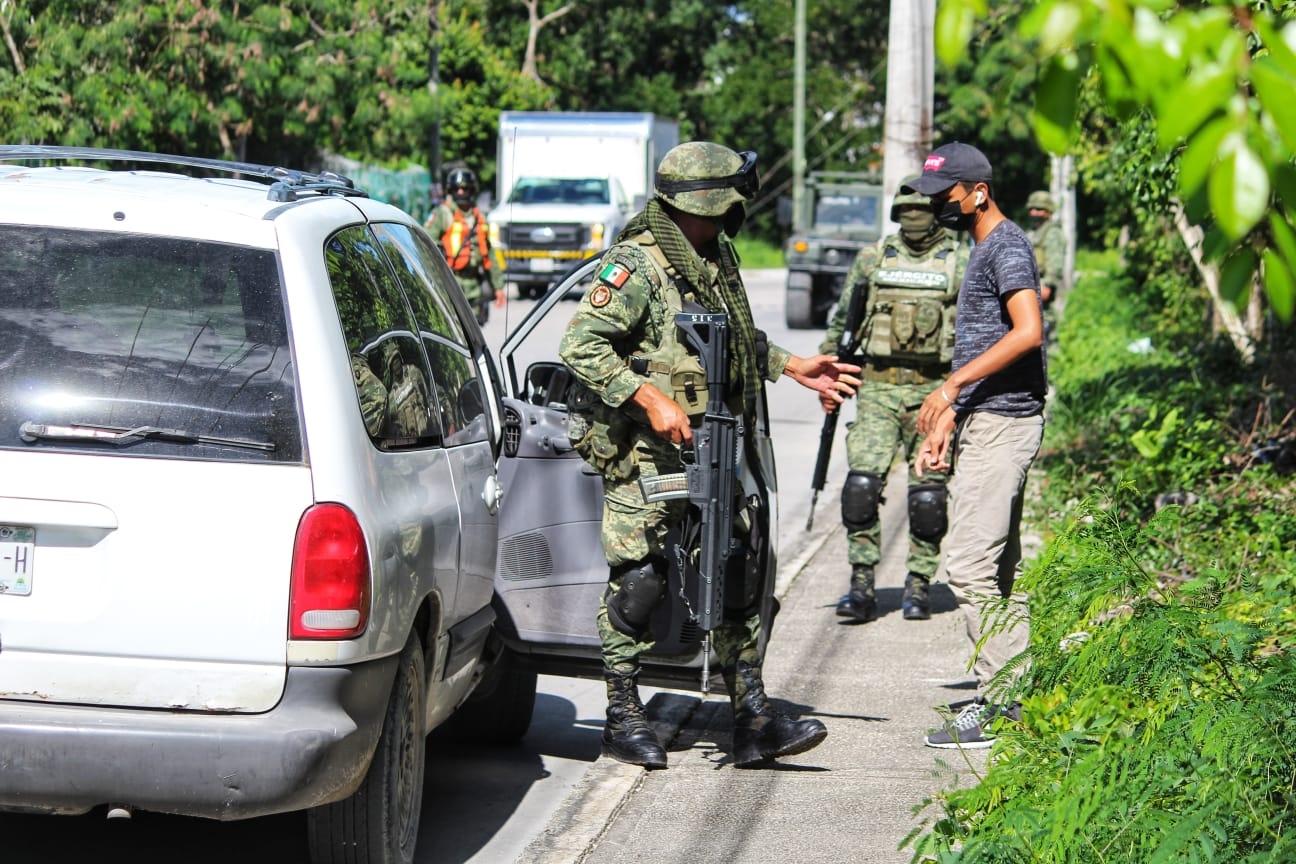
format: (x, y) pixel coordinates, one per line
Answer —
(379, 823)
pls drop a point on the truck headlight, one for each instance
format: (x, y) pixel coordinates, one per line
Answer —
(596, 235)
(493, 231)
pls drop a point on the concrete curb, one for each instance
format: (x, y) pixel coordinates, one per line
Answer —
(584, 814)
(593, 803)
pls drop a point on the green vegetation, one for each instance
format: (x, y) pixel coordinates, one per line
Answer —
(422, 82)
(758, 254)
(1160, 722)
(1197, 95)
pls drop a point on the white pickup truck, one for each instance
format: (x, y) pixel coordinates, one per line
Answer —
(547, 224)
(567, 184)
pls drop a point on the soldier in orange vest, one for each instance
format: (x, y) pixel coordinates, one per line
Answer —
(461, 229)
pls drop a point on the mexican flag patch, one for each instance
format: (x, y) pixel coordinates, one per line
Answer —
(614, 274)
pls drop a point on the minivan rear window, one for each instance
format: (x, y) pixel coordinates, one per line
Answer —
(140, 345)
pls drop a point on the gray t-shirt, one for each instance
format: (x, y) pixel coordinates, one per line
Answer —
(1001, 265)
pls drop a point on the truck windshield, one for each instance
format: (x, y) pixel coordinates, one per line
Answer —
(553, 190)
(846, 209)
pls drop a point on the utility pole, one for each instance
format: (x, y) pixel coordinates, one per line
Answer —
(434, 85)
(798, 114)
(907, 127)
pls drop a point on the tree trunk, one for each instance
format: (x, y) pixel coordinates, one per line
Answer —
(13, 49)
(536, 21)
(1243, 339)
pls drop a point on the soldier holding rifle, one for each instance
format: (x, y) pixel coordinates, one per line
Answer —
(897, 311)
(636, 415)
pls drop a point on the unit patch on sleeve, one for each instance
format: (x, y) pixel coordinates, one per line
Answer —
(600, 296)
(615, 274)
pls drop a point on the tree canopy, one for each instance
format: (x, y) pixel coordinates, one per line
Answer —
(413, 81)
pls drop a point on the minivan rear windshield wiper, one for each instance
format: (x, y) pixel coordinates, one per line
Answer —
(120, 436)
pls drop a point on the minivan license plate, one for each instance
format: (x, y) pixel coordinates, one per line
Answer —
(17, 559)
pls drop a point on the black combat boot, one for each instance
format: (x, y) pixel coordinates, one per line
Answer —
(860, 603)
(627, 737)
(914, 604)
(760, 733)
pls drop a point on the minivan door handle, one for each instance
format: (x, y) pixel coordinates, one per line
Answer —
(492, 494)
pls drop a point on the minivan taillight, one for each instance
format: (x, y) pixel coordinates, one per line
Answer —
(330, 576)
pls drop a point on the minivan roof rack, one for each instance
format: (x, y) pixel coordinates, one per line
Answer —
(286, 183)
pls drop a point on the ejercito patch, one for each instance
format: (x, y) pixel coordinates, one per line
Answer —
(600, 296)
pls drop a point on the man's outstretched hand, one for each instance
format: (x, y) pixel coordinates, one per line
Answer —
(833, 380)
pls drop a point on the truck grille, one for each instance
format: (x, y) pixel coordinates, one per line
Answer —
(534, 236)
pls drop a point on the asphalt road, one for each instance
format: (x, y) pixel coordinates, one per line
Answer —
(480, 806)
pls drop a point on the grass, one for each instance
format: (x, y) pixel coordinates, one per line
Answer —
(757, 254)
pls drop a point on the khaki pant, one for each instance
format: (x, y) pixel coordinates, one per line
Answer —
(983, 546)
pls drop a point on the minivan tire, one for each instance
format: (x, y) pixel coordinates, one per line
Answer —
(379, 823)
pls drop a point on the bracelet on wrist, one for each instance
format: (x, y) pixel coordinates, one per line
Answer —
(948, 401)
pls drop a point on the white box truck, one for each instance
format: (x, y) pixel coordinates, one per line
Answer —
(567, 184)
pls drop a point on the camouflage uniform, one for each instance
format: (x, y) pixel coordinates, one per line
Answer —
(372, 395)
(1050, 254)
(887, 406)
(615, 322)
(622, 337)
(407, 398)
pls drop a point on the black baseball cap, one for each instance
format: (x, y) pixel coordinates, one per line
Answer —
(948, 164)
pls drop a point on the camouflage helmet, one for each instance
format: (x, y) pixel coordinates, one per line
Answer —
(706, 179)
(908, 195)
(1040, 200)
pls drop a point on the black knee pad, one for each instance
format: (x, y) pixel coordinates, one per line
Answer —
(631, 606)
(927, 512)
(861, 494)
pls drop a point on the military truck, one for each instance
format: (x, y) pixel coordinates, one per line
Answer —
(841, 214)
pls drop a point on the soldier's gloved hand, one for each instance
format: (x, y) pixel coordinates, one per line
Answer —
(666, 416)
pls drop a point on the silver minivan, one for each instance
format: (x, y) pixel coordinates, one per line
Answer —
(248, 496)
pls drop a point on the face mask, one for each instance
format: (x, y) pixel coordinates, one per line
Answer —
(951, 216)
(916, 224)
(734, 218)
(1037, 221)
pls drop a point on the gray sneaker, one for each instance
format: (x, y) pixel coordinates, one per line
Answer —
(973, 728)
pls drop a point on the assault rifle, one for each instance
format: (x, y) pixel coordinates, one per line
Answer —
(848, 345)
(708, 479)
